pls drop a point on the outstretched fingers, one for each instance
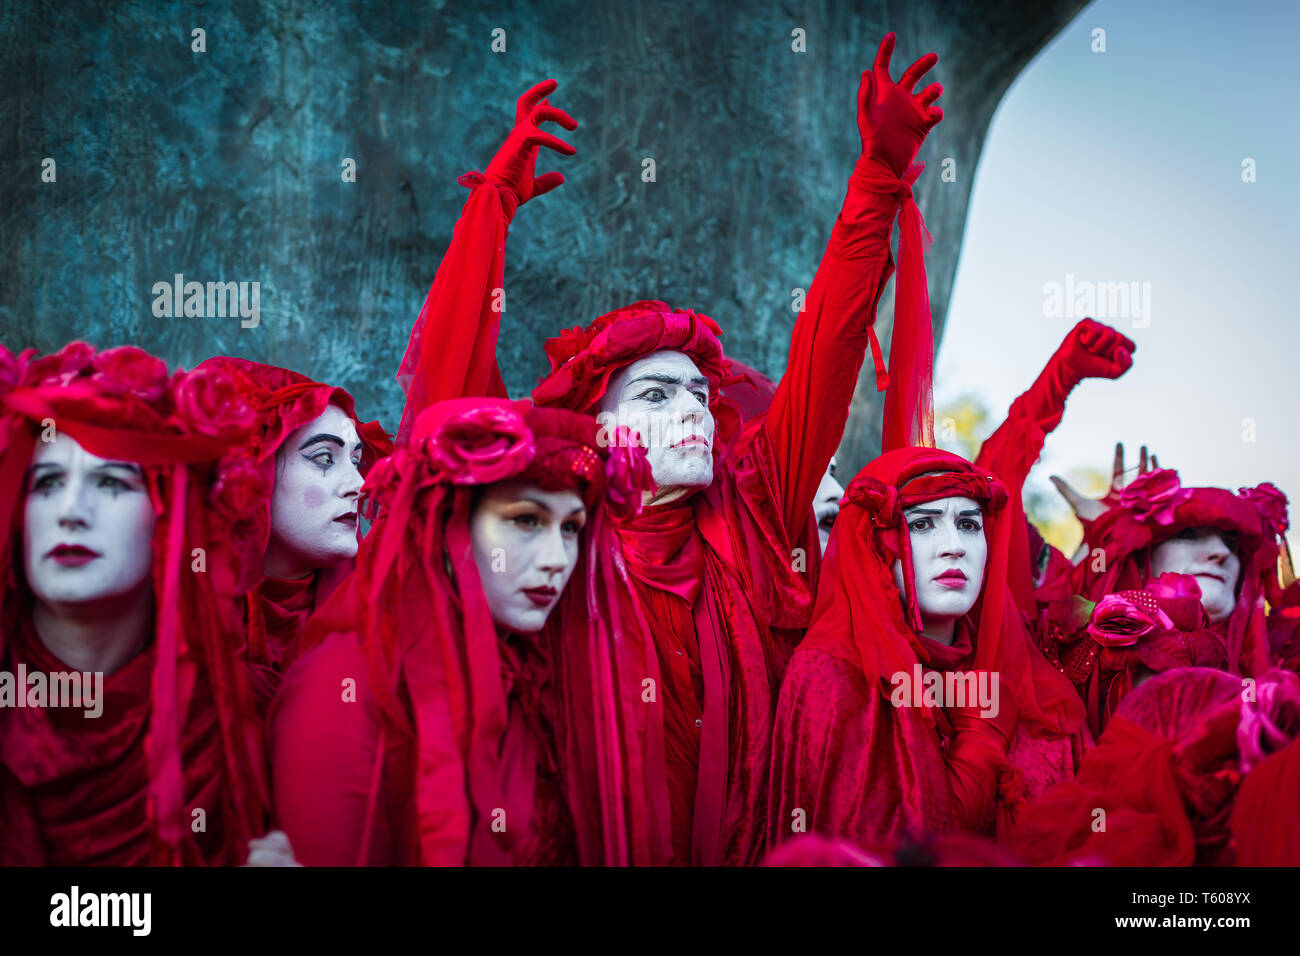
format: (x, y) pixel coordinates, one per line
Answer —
(524, 106)
(546, 182)
(912, 75)
(543, 138)
(881, 66)
(545, 112)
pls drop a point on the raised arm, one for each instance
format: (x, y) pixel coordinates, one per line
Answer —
(1090, 350)
(831, 335)
(452, 350)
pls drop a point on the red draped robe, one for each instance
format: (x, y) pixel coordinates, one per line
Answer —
(345, 780)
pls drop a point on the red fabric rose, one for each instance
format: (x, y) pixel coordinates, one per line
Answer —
(210, 402)
(130, 371)
(61, 367)
(627, 473)
(480, 446)
(1271, 720)
(1271, 503)
(879, 500)
(1123, 619)
(1179, 596)
(13, 369)
(1154, 496)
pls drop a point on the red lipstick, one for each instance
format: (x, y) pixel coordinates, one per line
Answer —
(72, 555)
(542, 596)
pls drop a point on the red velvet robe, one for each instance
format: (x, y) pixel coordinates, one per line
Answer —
(344, 780)
(73, 788)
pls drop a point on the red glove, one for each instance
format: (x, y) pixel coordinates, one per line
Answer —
(515, 161)
(892, 121)
(1090, 350)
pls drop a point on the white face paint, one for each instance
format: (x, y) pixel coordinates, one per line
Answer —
(525, 547)
(317, 492)
(1203, 553)
(826, 506)
(949, 552)
(87, 526)
(665, 397)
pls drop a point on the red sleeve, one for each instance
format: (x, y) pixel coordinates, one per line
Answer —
(453, 345)
(975, 756)
(324, 745)
(807, 416)
(1010, 453)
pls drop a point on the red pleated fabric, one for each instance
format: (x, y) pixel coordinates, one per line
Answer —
(491, 751)
(845, 761)
(188, 726)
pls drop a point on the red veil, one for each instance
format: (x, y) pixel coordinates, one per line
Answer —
(436, 661)
(846, 763)
(285, 400)
(179, 730)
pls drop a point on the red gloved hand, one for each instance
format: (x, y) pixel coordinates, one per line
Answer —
(1093, 350)
(515, 161)
(892, 120)
(1090, 350)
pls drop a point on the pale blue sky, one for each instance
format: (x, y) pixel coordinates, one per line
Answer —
(1126, 166)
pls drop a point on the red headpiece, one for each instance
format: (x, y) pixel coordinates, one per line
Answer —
(122, 404)
(284, 400)
(584, 360)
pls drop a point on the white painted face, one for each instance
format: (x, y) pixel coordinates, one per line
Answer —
(1204, 554)
(826, 506)
(949, 552)
(526, 544)
(87, 526)
(665, 397)
(317, 492)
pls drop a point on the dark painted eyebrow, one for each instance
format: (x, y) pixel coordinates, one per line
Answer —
(924, 511)
(975, 511)
(322, 436)
(124, 465)
(580, 510)
(665, 379)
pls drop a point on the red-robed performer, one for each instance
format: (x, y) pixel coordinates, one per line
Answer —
(471, 694)
(723, 560)
(918, 703)
(313, 452)
(1195, 767)
(1228, 543)
(123, 511)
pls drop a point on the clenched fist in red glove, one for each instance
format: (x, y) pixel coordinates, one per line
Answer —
(892, 120)
(515, 161)
(1093, 350)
